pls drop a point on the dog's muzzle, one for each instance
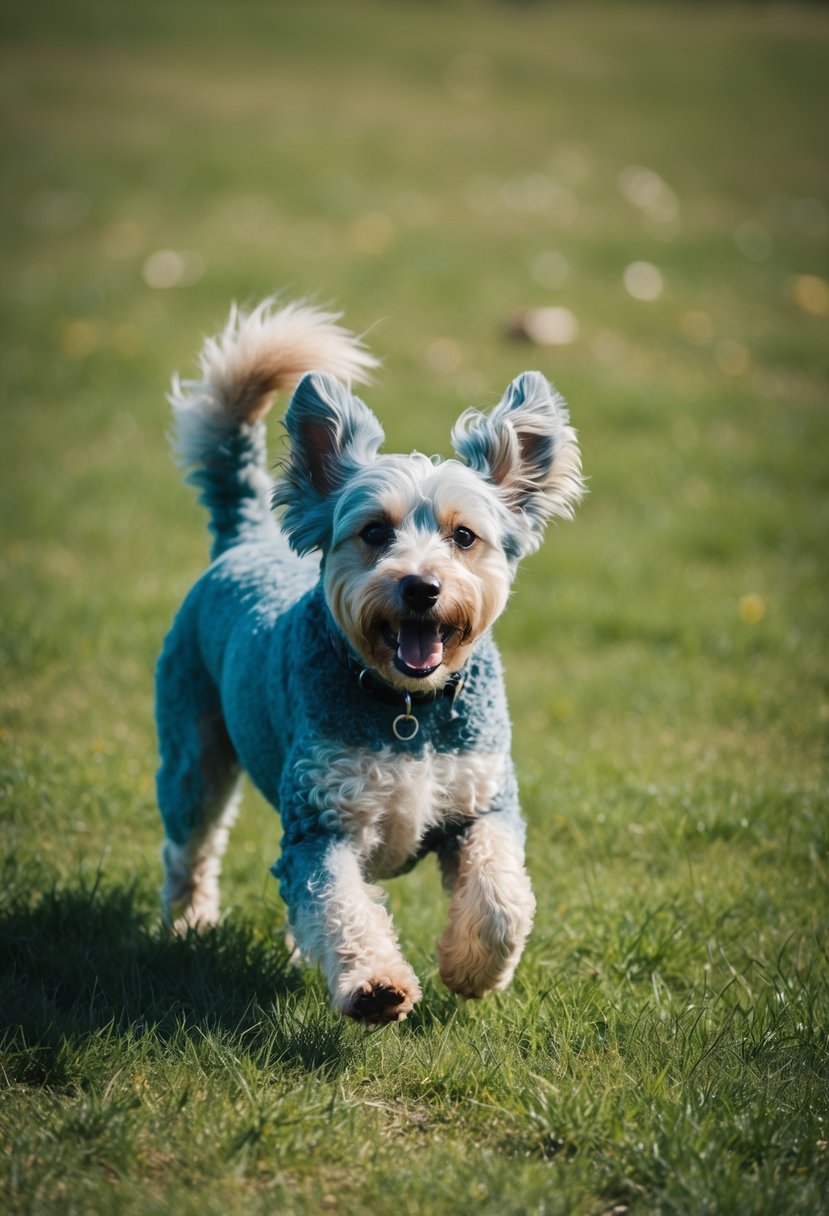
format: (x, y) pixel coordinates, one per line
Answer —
(418, 644)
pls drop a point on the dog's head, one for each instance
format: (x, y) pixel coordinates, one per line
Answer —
(417, 553)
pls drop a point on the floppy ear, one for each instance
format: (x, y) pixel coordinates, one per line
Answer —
(332, 434)
(526, 448)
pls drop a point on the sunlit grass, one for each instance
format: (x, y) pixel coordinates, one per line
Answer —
(437, 174)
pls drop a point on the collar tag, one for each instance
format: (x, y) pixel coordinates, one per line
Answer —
(405, 726)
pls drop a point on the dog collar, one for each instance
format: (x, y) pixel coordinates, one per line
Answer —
(405, 726)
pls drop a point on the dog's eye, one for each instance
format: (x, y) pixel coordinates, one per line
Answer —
(376, 535)
(464, 538)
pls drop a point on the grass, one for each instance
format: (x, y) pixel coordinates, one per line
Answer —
(434, 170)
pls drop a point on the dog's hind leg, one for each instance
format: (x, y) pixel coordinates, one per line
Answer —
(198, 788)
(491, 909)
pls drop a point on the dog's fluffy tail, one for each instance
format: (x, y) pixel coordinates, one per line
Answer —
(219, 432)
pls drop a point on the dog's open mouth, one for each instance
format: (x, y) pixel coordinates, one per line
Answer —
(417, 646)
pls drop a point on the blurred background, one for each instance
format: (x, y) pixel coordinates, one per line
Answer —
(631, 197)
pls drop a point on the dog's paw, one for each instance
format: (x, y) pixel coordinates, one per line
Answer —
(477, 973)
(473, 987)
(378, 1002)
(180, 916)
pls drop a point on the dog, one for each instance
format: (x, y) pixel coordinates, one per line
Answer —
(342, 655)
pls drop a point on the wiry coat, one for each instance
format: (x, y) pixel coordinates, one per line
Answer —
(344, 659)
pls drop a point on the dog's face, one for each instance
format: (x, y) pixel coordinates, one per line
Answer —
(418, 554)
(416, 569)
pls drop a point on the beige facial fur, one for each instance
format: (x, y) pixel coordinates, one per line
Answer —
(362, 582)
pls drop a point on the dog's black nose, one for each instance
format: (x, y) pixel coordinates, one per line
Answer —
(420, 593)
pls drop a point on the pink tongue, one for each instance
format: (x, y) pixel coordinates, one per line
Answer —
(418, 645)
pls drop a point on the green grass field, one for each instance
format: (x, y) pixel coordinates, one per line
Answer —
(434, 170)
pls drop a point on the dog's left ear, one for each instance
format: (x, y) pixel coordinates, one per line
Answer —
(527, 449)
(332, 435)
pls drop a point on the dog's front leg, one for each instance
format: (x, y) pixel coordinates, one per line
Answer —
(491, 909)
(339, 919)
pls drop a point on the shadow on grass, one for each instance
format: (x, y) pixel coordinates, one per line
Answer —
(80, 961)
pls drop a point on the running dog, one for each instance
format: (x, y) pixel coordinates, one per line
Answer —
(341, 654)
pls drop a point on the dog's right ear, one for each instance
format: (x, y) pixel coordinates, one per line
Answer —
(332, 434)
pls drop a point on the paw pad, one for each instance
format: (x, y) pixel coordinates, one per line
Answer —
(376, 1004)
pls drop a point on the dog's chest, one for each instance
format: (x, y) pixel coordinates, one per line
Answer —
(387, 802)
